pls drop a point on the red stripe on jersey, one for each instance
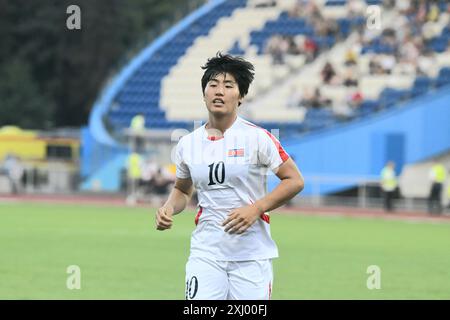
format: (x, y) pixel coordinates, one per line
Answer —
(270, 290)
(199, 213)
(284, 156)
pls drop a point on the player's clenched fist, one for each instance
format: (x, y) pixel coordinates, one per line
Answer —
(164, 218)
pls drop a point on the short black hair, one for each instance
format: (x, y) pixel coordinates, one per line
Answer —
(240, 69)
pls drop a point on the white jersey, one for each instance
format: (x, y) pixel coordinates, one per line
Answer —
(229, 173)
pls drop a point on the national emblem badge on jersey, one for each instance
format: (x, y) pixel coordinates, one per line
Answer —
(236, 152)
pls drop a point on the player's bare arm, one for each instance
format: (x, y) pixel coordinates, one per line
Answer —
(291, 183)
(178, 199)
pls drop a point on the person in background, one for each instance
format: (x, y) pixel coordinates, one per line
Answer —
(137, 127)
(388, 185)
(438, 175)
(134, 173)
(14, 171)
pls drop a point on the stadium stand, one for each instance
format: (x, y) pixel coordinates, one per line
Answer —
(369, 70)
(289, 43)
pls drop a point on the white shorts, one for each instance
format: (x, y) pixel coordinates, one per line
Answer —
(208, 279)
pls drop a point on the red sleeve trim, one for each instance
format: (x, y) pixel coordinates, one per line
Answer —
(283, 154)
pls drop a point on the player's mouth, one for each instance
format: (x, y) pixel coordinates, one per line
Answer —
(218, 102)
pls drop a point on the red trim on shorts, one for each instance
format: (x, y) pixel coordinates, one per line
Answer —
(283, 154)
(270, 290)
(199, 213)
(265, 217)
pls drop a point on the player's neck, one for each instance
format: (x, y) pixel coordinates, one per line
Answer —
(221, 124)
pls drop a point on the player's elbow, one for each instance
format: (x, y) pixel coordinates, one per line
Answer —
(300, 184)
(297, 185)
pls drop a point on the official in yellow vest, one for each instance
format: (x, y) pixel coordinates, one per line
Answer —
(137, 127)
(388, 185)
(438, 175)
(134, 172)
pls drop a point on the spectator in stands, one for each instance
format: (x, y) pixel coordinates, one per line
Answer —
(297, 10)
(311, 49)
(429, 32)
(350, 79)
(346, 110)
(403, 6)
(375, 66)
(438, 176)
(355, 8)
(433, 13)
(313, 12)
(426, 64)
(355, 98)
(326, 27)
(277, 47)
(388, 185)
(328, 74)
(408, 51)
(387, 63)
(315, 100)
(293, 47)
(299, 42)
(351, 57)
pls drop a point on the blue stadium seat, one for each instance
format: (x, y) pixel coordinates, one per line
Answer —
(389, 97)
(236, 49)
(335, 3)
(325, 42)
(439, 44)
(316, 119)
(374, 2)
(443, 77)
(421, 86)
(367, 107)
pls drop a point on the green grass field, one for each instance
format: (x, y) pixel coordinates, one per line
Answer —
(122, 256)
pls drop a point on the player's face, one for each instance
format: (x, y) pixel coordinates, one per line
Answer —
(222, 95)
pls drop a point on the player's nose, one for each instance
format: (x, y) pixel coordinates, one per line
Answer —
(219, 91)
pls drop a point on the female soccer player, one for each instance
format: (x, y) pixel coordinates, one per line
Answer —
(227, 160)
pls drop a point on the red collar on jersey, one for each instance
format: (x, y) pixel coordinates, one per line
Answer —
(212, 138)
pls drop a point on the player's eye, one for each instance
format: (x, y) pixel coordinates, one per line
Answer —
(229, 86)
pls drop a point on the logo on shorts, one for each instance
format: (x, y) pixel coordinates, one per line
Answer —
(191, 288)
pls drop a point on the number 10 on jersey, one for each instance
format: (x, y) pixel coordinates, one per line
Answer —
(216, 173)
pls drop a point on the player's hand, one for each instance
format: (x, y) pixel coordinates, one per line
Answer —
(241, 219)
(164, 218)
